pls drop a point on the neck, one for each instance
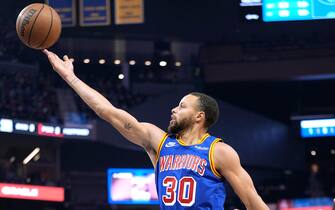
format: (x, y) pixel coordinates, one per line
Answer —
(192, 135)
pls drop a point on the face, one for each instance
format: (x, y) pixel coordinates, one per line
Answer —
(315, 168)
(185, 115)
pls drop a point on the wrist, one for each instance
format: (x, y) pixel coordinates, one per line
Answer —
(71, 79)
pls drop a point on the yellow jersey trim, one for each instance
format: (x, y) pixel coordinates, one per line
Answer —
(211, 158)
(201, 140)
(160, 146)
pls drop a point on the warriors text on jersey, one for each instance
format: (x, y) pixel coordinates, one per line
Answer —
(186, 177)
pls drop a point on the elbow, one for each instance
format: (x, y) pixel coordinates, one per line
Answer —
(255, 203)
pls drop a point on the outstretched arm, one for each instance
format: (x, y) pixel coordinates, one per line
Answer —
(228, 165)
(143, 134)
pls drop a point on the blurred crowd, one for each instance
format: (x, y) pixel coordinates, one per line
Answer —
(105, 80)
(314, 182)
(33, 96)
(11, 172)
(28, 97)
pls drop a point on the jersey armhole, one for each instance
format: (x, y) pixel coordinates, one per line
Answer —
(160, 146)
(211, 158)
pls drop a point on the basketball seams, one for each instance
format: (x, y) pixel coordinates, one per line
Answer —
(20, 22)
(32, 27)
(20, 19)
(46, 38)
(38, 26)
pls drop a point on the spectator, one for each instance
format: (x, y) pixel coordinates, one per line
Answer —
(315, 186)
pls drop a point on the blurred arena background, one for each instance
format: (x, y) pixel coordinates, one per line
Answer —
(271, 68)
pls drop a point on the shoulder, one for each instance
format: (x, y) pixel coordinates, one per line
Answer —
(225, 156)
(223, 148)
(154, 131)
(155, 134)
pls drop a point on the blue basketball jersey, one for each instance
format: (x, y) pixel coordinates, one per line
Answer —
(186, 177)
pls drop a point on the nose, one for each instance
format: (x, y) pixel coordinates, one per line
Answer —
(173, 111)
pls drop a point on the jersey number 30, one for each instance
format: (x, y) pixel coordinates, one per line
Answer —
(182, 190)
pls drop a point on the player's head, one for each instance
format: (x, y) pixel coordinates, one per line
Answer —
(194, 108)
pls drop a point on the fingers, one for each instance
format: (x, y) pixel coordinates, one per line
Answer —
(45, 51)
(53, 57)
(66, 58)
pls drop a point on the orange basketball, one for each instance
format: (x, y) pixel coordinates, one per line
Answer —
(38, 26)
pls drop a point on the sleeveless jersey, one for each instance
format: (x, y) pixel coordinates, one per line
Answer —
(186, 177)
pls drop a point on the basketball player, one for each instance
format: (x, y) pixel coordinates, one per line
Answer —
(190, 164)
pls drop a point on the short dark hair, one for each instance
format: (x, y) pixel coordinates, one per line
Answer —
(208, 105)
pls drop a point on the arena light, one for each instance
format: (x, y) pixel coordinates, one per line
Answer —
(31, 155)
(117, 62)
(332, 151)
(147, 63)
(86, 60)
(251, 16)
(12, 159)
(132, 62)
(102, 61)
(121, 76)
(178, 64)
(163, 63)
(313, 152)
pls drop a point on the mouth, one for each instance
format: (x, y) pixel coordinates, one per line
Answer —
(172, 119)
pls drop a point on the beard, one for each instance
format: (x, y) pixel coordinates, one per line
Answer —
(177, 127)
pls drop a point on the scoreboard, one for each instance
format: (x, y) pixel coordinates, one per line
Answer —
(286, 10)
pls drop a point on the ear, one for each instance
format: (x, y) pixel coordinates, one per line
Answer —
(200, 116)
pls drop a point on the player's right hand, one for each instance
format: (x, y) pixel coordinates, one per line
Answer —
(63, 67)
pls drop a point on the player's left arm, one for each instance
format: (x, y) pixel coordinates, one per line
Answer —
(227, 163)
